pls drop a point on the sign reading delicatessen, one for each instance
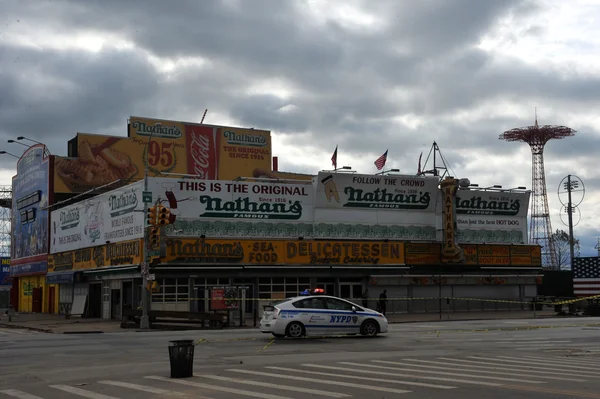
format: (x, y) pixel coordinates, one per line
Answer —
(255, 253)
(117, 254)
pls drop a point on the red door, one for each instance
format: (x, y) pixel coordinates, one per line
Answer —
(36, 300)
(51, 299)
(14, 295)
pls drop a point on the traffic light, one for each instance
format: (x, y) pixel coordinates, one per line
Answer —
(154, 237)
(152, 218)
(164, 216)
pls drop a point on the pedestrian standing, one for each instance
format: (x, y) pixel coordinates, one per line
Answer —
(365, 298)
(383, 302)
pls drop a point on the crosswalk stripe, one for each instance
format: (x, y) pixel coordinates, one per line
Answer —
(511, 359)
(322, 381)
(422, 384)
(515, 367)
(539, 365)
(536, 343)
(443, 366)
(358, 377)
(411, 375)
(143, 388)
(568, 361)
(82, 392)
(275, 386)
(217, 388)
(15, 393)
(453, 374)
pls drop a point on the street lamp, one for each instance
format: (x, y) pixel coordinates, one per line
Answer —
(18, 142)
(9, 153)
(46, 151)
(388, 171)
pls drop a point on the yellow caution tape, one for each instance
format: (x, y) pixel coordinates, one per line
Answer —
(407, 299)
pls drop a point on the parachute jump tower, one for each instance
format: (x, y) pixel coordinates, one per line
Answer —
(540, 228)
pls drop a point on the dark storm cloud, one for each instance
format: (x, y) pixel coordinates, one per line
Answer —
(49, 95)
(348, 87)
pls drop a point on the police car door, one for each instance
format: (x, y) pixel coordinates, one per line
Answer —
(342, 319)
(313, 315)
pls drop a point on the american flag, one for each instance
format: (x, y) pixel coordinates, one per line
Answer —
(586, 276)
(334, 158)
(380, 162)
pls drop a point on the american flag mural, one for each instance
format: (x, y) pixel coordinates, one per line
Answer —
(586, 276)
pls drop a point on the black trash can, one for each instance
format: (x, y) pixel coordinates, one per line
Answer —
(181, 356)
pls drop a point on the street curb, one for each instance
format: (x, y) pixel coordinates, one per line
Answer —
(474, 319)
(18, 327)
(84, 332)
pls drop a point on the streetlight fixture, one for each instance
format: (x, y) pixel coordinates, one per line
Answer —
(10, 153)
(18, 142)
(46, 151)
(388, 171)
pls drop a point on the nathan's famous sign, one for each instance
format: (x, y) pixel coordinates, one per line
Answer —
(110, 217)
(401, 207)
(235, 208)
(211, 152)
(341, 190)
(206, 151)
(121, 253)
(279, 252)
(492, 216)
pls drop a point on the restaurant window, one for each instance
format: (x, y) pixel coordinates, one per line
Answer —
(281, 287)
(172, 290)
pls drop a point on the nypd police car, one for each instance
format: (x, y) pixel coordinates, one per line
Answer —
(315, 314)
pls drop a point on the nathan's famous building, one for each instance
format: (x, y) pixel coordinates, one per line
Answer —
(95, 164)
(246, 227)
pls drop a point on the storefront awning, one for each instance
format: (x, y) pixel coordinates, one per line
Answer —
(67, 277)
(102, 271)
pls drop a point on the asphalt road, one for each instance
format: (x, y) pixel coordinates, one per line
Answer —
(546, 358)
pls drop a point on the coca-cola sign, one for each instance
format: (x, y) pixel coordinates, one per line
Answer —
(201, 151)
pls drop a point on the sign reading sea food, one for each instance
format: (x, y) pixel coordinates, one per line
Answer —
(342, 190)
(230, 208)
(111, 217)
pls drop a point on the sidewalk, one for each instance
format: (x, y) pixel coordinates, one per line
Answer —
(467, 316)
(57, 324)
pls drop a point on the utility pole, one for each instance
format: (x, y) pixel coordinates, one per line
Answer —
(570, 214)
(146, 296)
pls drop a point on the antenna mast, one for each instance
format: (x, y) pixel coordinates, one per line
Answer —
(439, 169)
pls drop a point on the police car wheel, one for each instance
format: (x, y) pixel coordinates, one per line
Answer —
(369, 328)
(294, 330)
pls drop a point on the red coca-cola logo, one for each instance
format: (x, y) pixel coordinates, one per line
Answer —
(201, 152)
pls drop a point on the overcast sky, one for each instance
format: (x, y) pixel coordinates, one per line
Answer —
(365, 75)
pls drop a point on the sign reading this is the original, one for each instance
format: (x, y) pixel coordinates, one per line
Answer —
(211, 200)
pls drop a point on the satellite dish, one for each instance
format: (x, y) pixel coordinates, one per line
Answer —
(464, 183)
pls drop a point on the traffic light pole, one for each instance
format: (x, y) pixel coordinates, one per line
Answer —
(145, 319)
